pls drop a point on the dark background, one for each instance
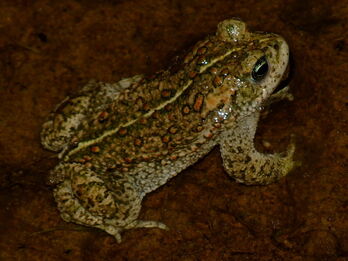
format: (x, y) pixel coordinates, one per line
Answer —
(48, 49)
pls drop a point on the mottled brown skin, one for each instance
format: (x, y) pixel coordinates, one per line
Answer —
(121, 141)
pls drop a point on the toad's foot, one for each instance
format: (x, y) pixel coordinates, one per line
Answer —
(116, 231)
(113, 231)
(147, 224)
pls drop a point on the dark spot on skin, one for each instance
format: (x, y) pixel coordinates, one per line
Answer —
(241, 174)
(247, 159)
(262, 169)
(90, 203)
(239, 149)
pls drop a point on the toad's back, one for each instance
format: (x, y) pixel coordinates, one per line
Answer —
(166, 118)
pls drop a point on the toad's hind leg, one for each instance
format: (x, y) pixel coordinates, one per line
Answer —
(65, 121)
(112, 205)
(244, 163)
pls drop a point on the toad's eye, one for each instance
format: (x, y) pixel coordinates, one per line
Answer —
(260, 69)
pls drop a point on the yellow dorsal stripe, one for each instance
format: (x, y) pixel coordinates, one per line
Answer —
(85, 144)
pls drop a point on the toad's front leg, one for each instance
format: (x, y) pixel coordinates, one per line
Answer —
(244, 163)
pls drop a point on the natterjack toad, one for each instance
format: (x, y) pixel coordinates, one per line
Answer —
(120, 141)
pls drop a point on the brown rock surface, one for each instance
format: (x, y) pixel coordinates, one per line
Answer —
(49, 49)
